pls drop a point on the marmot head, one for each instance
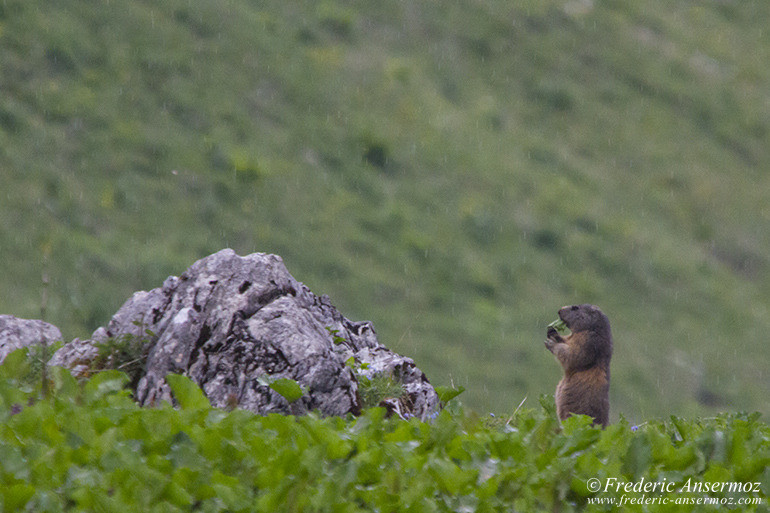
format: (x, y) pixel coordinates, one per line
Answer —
(586, 318)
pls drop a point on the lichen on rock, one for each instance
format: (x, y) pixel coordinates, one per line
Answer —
(233, 324)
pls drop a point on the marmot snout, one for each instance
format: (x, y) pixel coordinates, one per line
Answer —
(585, 356)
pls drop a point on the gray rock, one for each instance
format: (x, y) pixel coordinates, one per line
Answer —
(16, 333)
(235, 324)
(78, 356)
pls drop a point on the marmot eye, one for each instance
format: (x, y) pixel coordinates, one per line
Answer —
(574, 307)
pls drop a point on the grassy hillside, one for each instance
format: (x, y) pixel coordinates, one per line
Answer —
(454, 172)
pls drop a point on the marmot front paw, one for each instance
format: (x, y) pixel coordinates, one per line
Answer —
(553, 339)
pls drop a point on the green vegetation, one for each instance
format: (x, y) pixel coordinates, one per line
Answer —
(372, 388)
(127, 353)
(381, 386)
(559, 326)
(454, 172)
(89, 447)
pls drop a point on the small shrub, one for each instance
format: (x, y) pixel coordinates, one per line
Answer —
(376, 154)
(127, 353)
(374, 390)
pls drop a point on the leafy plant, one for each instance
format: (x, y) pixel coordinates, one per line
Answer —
(374, 387)
(446, 394)
(187, 393)
(288, 388)
(372, 390)
(127, 353)
(90, 447)
(336, 338)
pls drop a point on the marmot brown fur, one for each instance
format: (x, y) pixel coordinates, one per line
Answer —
(585, 356)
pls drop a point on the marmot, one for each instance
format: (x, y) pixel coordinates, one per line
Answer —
(585, 356)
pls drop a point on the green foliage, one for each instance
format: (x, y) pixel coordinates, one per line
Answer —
(92, 448)
(560, 326)
(127, 353)
(336, 339)
(17, 368)
(446, 394)
(372, 390)
(288, 388)
(27, 368)
(105, 383)
(186, 392)
(373, 387)
(453, 172)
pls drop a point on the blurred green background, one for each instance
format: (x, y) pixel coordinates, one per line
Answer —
(452, 171)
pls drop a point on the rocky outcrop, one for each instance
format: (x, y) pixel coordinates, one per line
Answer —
(16, 333)
(237, 324)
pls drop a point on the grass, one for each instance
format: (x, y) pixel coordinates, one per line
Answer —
(455, 173)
